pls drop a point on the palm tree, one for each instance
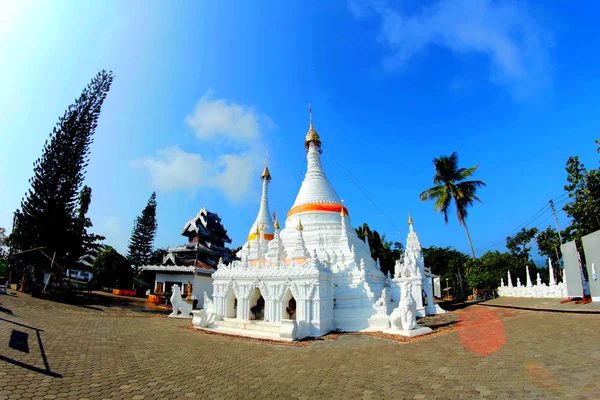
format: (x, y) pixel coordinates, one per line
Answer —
(450, 184)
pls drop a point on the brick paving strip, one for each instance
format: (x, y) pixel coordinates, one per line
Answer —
(103, 352)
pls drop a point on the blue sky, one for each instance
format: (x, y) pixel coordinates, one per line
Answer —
(203, 89)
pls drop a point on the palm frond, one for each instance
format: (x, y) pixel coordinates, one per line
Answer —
(465, 173)
(432, 193)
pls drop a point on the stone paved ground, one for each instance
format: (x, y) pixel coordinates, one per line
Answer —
(544, 304)
(51, 350)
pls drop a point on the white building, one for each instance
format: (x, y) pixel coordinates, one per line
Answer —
(315, 274)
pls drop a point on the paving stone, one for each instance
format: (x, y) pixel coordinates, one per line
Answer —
(102, 351)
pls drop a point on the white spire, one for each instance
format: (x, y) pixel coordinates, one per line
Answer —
(551, 271)
(315, 188)
(300, 250)
(529, 284)
(263, 219)
(276, 248)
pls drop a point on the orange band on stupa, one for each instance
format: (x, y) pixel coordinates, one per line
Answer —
(326, 207)
(268, 236)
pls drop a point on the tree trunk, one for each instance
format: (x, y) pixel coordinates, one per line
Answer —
(469, 237)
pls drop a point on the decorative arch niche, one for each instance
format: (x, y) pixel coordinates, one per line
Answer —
(231, 305)
(257, 305)
(288, 305)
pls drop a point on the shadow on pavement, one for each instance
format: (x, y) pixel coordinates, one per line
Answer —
(19, 341)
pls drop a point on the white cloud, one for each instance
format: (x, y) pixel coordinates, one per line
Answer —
(231, 173)
(174, 169)
(516, 46)
(221, 117)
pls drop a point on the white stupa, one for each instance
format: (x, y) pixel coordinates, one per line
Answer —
(313, 276)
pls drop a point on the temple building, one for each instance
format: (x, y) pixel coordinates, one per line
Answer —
(196, 260)
(312, 276)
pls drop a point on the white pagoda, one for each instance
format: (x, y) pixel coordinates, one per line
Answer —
(311, 277)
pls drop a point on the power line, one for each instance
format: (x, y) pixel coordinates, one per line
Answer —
(363, 192)
(529, 221)
(302, 164)
(558, 201)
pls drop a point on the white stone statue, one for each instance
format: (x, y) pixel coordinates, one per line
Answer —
(404, 317)
(539, 279)
(202, 318)
(381, 305)
(208, 303)
(179, 304)
(502, 282)
(398, 269)
(518, 282)
(363, 270)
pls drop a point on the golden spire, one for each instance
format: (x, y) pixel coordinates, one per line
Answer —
(248, 246)
(343, 212)
(312, 136)
(276, 225)
(262, 226)
(299, 227)
(266, 174)
(257, 232)
(410, 221)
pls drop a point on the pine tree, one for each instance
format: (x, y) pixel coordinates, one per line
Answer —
(49, 210)
(86, 241)
(142, 236)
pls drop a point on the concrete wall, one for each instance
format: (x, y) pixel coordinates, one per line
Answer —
(591, 246)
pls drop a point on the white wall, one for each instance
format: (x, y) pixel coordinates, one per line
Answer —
(182, 280)
(200, 284)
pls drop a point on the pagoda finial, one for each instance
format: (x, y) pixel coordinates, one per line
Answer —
(257, 231)
(276, 224)
(266, 174)
(410, 221)
(312, 136)
(299, 227)
(262, 226)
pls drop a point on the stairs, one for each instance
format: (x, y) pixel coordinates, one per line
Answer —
(255, 329)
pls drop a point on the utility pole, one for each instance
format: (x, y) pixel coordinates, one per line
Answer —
(556, 220)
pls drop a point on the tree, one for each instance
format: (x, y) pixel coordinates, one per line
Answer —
(448, 263)
(518, 245)
(86, 241)
(3, 252)
(549, 244)
(387, 252)
(142, 236)
(487, 271)
(451, 185)
(157, 256)
(478, 275)
(49, 209)
(111, 269)
(584, 205)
